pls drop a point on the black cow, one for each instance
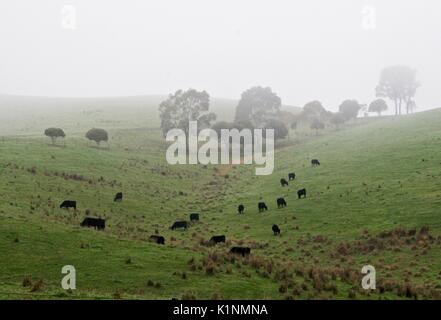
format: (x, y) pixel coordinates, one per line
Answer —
(244, 251)
(157, 239)
(194, 217)
(283, 182)
(281, 203)
(262, 206)
(241, 208)
(217, 239)
(291, 176)
(179, 225)
(315, 162)
(118, 197)
(96, 223)
(68, 204)
(276, 230)
(301, 192)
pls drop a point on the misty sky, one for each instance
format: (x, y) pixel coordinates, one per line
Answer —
(303, 49)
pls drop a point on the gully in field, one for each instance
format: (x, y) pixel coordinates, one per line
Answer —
(185, 149)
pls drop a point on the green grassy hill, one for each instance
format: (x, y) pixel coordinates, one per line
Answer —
(378, 185)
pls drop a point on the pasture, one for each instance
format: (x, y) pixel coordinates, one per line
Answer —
(378, 185)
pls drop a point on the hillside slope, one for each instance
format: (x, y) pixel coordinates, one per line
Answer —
(378, 185)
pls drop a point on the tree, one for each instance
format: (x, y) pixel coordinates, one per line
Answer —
(350, 109)
(314, 110)
(317, 125)
(184, 106)
(97, 135)
(280, 129)
(411, 106)
(218, 126)
(338, 119)
(399, 84)
(257, 105)
(54, 133)
(378, 106)
(244, 124)
(286, 117)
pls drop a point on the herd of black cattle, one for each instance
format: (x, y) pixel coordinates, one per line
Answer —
(100, 224)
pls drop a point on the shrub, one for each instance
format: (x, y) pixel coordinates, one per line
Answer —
(37, 286)
(188, 296)
(27, 281)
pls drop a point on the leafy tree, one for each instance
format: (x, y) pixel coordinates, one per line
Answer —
(314, 110)
(258, 105)
(350, 109)
(184, 106)
(399, 84)
(97, 135)
(338, 119)
(317, 125)
(286, 117)
(378, 106)
(280, 129)
(54, 133)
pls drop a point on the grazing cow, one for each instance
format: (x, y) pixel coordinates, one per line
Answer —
(281, 203)
(96, 223)
(241, 208)
(194, 217)
(157, 239)
(276, 230)
(301, 192)
(118, 197)
(315, 162)
(68, 204)
(244, 251)
(217, 239)
(283, 182)
(262, 206)
(291, 176)
(179, 225)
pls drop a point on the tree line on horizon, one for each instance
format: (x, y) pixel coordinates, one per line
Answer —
(260, 107)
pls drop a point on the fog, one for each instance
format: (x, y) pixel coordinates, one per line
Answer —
(304, 50)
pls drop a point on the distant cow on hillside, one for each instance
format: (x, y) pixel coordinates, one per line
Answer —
(262, 206)
(291, 176)
(301, 193)
(241, 209)
(217, 239)
(283, 182)
(315, 162)
(276, 230)
(194, 217)
(99, 224)
(118, 197)
(281, 203)
(179, 225)
(244, 251)
(68, 204)
(157, 239)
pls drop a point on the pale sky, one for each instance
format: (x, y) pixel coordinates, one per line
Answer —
(303, 49)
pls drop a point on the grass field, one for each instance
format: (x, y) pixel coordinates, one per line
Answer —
(378, 185)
